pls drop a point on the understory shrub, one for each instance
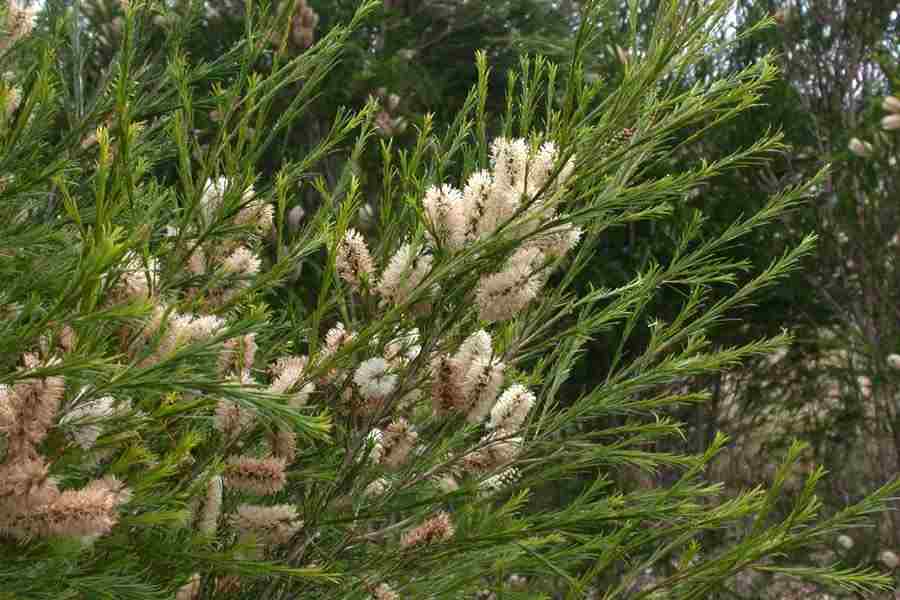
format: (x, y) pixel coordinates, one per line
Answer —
(209, 394)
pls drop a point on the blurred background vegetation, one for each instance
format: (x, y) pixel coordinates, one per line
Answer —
(838, 387)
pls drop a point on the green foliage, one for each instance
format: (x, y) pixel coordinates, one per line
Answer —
(163, 434)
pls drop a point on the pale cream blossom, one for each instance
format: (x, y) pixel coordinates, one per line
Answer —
(446, 212)
(208, 520)
(353, 261)
(500, 296)
(482, 382)
(270, 525)
(374, 379)
(405, 272)
(512, 408)
(87, 420)
(242, 261)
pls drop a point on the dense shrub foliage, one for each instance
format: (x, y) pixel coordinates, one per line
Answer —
(209, 391)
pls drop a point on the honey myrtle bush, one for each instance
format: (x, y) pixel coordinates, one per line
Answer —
(185, 412)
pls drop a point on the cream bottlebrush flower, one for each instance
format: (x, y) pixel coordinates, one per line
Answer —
(447, 377)
(374, 379)
(404, 348)
(259, 476)
(889, 559)
(242, 261)
(337, 337)
(845, 542)
(25, 486)
(208, 519)
(509, 159)
(495, 450)
(541, 167)
(559, 240)
(302, 396)
(384, 592)
(446, 212)
(437, 529)
(353, 261)
(501, 448)
(478, 346)
(205, 327)
(231, 419)
(87, 417)
(196, 263)
(446, 483)
(177, 332)
(238, 354)
(13, 97)
(33, 404)
(397, 441)
(405, 272)
(87, 512)
(136, 281)
(271, 525)
(480, 388)
(213, 196)
(286, 373)
(180, 330)
(19, 23)
(502, 295)
(284, 444)
(375, 445)
(377, 488)
(112, 485)
(512, 408)
(256, 213)
(476, 198)
(499, 482)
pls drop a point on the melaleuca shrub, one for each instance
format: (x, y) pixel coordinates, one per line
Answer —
(184, 416)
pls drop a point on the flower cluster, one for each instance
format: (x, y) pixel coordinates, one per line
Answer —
(19, 24)
(438, 528)
(31, 501)
(303, 22)
(232, 261)
(517, 198)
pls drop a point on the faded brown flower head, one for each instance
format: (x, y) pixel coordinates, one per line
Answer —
(88, 512)
(397, 441)
(231, 419)
(437, 529)
(284, 444)
(259, 476)
(29, 410)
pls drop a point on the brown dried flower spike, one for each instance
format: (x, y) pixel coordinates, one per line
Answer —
(437, 529)
(255, 476)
